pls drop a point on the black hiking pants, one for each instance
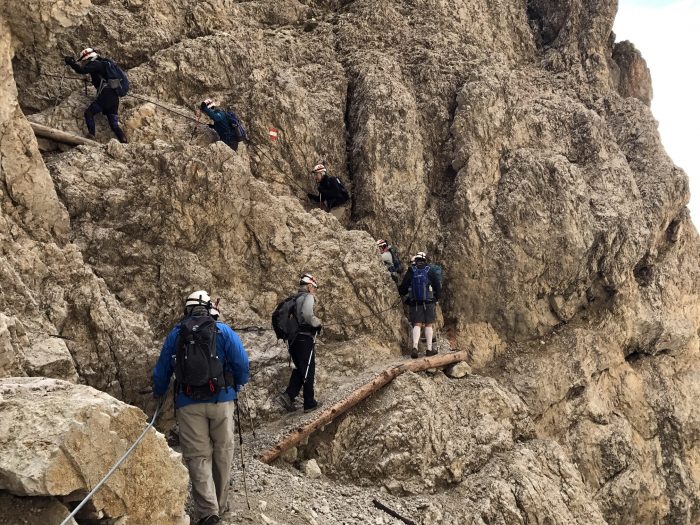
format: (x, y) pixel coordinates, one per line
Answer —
(302, 350)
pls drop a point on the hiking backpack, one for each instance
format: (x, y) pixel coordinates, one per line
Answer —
(284, 319)
(341, 188)
(198, 371)
(116, 78)
(239, 132)
(421, 291)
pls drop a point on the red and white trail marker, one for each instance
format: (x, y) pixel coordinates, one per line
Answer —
(273, 133)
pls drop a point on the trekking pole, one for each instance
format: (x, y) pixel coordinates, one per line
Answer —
(116, 465)
(240, 439)
(313, 349)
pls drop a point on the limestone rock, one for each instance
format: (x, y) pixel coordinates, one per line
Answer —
(473, 451)
(458, 370)
(32, 511)
(59, 439)
(634, 77)
(504, 138)
(311, 469)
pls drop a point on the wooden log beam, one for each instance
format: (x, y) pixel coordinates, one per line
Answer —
(382, 379)
(61, 136)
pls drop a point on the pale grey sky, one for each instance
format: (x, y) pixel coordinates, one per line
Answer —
(667, 32)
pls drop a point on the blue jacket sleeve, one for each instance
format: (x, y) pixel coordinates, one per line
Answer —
(236, 356)
(164, 367)
(216, 116)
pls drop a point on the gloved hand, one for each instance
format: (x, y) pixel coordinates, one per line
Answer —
(69, 61)
(202, 106)
(319, 329)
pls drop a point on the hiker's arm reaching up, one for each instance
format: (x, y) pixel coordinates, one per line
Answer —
(216, 116)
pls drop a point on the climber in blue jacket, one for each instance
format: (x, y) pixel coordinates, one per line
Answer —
(226, 124)
(205, 396)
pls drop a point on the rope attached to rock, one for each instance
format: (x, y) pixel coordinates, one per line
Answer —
(116, 465)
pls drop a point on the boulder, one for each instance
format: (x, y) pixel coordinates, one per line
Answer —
(458, 370)
(311, 469)
(59, 439)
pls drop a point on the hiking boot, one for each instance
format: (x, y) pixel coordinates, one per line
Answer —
(285, 401)
(209, 520)
(414, 353)
(430, 352)
(317, 404)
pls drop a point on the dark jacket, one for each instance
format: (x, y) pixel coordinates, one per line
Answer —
(332, 192)
(97, 69)
(222, 125)
(405, 285)
(230, 351)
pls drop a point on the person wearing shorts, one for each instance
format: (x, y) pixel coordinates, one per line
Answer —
(423, 287)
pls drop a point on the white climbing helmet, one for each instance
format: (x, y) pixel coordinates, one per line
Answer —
(307, 278)
(87, 54)
(209, 103)
(381, 243)
(319, 168)
(418, 256)
(200, 297)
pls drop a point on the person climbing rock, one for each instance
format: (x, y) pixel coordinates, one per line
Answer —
(210, 366)
(331, 191)
(423, 287)
(109, 81)
(390, 258)
(226, 124)
(301, 349)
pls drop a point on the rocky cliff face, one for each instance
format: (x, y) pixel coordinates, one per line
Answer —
(511, 140)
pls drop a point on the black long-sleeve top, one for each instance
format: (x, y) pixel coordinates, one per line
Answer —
(97, 69)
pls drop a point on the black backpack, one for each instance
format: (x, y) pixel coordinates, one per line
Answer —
(116, 78)
(284, 319)
(198, 371)
(341, 188)
(237, 129)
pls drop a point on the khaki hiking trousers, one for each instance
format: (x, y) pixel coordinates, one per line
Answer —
(207, 440)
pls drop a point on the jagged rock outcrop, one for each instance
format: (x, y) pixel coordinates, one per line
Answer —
(59, 439)
(633, 78)
(476, 448)
(511, 140)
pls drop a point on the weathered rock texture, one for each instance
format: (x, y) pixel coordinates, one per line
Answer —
(511, 140)
(60, 439)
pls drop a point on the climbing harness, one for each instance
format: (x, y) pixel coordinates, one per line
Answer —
(240, 439)
(116, 465)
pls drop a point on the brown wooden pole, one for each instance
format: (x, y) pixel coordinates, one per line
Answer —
(61, 136)
(382, 379)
